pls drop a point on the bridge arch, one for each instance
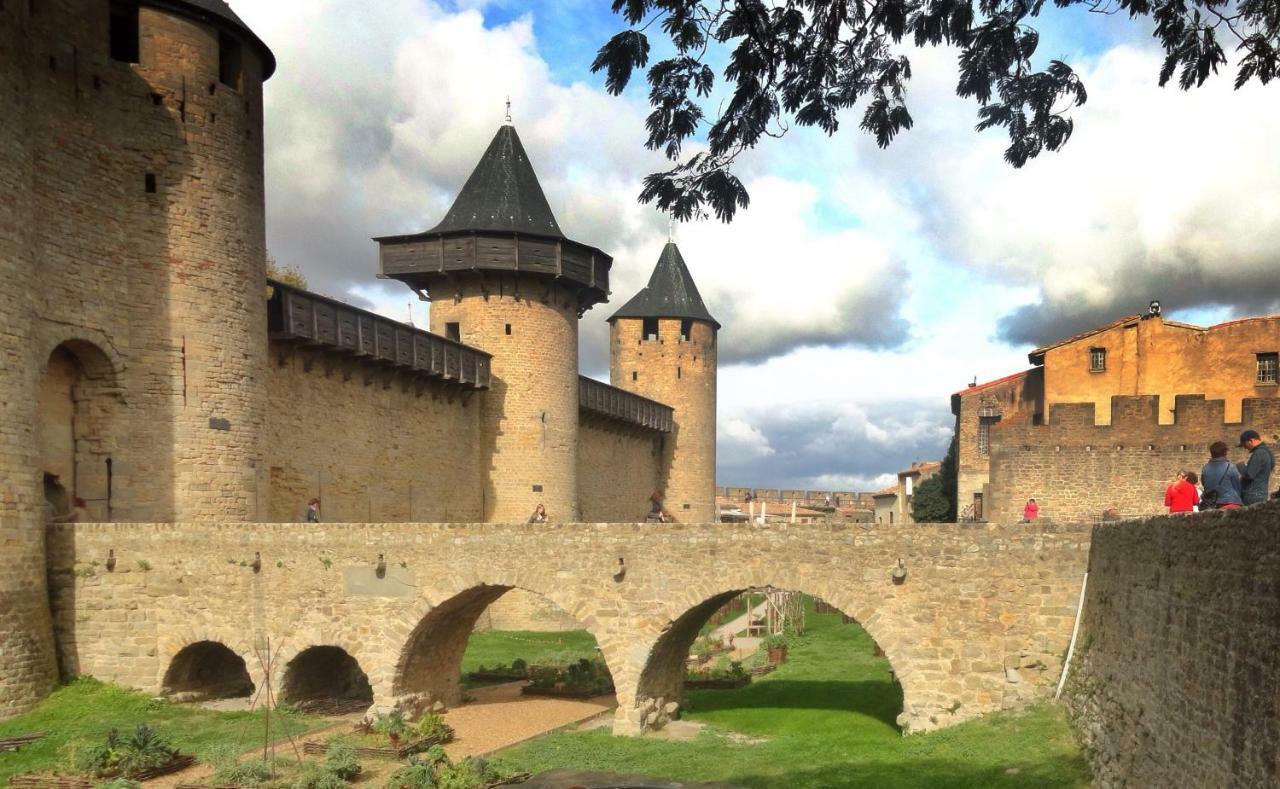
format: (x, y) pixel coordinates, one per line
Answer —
(206, 670)
(325, 674)
(662, 671)
(428, 664)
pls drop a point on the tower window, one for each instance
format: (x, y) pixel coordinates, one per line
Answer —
(453, 331)
(1267, 368)
(508, 329)
(650, 328)
(686, 330)
(635, 376)
(149, 183)
(984, 433)
(1097, 360)
(122, 31)
(230, 60)
(679, 373)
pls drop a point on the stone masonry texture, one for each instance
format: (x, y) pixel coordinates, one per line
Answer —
(1176, 676)
(1077, 470)
(980, 623)
(682, 374)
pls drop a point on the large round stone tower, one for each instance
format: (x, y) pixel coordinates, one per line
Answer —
(501, 276)
(662, 345)
(132, 249)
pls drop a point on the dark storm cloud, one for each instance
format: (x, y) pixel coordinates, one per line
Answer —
(846, 446)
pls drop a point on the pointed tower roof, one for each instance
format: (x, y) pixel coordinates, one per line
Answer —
(500, 222)
(670, 293)
(502, 194)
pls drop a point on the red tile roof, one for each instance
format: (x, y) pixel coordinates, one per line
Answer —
(989, 384)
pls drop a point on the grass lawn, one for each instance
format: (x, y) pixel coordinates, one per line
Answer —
(827, 720)
(80, 713)
(490, 648)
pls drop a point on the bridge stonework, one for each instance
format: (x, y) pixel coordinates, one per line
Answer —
(980, 622)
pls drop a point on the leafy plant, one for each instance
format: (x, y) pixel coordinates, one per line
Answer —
(418, 775)
(141, 751)
(315, 775)
(251, 772)
(391, 724)
(342, 762)
(433, 725)
(119, 783)
(774, 641)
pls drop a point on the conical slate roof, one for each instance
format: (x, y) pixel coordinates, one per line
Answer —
(670, 293)
(502, 194)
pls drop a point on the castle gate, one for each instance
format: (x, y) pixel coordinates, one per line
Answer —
(979, 622)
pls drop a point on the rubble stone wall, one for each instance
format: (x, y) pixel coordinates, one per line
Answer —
(1176, 675)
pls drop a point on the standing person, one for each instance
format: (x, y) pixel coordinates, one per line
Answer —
(1181, 495)
(1031, 511)
(656, 513)
(1221, 480)
(539, 514)
(1255, 473)
(313, 511)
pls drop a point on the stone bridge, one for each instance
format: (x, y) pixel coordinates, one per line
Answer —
(980, 622)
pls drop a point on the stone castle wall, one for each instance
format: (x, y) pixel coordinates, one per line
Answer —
(406, 450)
(529, 418)
(682, 374)
(132, 240)
(979, 624)
(1076, 469)
(619, 468)
(1176, 674)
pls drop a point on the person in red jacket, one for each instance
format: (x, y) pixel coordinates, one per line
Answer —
(1182, 495)
(1031, 511)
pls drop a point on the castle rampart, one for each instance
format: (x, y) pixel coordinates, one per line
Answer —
(1078, 470)
(1176, 674)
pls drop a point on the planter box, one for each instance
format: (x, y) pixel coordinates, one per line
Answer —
(404, 750)
(760, 671)
(332, 706)
(563, 693)
(17, 741)
(493, 676)
(777, 655)
(76, 782)
(725, 683)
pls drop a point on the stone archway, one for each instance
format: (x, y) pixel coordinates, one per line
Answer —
(323, 678)
(662, 677)
(75, 419)
(206, 670)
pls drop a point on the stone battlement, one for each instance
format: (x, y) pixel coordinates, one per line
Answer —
(1078, 470)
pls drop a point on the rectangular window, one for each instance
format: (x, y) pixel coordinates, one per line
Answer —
(230, 60)
(1097, 360)
(453, 331)
(977, 506)
(686, 330)
(122, 31)
(650, 328)
(984, 433)
(1267, 367)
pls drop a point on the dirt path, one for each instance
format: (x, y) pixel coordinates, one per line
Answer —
(500, 717)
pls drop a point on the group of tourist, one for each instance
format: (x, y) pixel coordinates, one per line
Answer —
(657, 513)
(1222, 484)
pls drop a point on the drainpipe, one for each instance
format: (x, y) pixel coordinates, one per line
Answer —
(1075, 631)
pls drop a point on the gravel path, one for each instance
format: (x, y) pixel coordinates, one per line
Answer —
(500, 717)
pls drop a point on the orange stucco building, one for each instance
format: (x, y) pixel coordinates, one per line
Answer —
(1135, 355)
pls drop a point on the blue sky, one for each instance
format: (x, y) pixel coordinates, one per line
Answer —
(863, 285)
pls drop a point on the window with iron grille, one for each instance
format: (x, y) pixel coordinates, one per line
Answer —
(1097, 360)
(1267, 367)
(984, 433)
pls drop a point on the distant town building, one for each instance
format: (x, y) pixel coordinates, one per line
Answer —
(893, 504)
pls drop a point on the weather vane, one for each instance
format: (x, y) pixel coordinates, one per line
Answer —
(508, 109)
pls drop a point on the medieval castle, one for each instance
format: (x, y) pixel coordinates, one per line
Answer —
(149, 378)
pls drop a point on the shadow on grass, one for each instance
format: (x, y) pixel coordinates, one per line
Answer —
(1053, 773)
(878, 699)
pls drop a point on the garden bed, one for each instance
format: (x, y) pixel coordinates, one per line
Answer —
(718, 683)
(494, 676)
(566, 693)
(332, 706)
(380, 752)
(760, 671)
(38, 781)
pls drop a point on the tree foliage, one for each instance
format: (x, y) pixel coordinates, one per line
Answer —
(803, 61)
(289, 273)
(934, 500)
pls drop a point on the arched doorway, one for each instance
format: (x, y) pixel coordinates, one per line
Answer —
(204, 671)
(326, 679)
(75, 416)
(832, 662)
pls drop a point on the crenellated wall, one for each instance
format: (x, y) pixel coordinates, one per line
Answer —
(1076, 470)
(1176, 675)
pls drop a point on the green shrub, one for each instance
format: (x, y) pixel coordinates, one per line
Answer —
(391, 723)
(413, 776)
(433, 725)
(315, 775)
(119, 783)
(143, 750)
(341, 761)
(251, 772)
(518, 666)
(470, 773)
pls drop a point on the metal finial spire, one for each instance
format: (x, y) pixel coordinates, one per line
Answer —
(508, 109)
(671, 229)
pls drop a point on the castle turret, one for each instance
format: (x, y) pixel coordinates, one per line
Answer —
(132, 249)
(662, 345)
(501, 276)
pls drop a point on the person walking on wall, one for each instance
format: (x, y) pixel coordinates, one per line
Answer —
(1221, 480)
(1181, 495)
(539, 514)
(313, 511)
(1255, 473)
(1031, 511)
